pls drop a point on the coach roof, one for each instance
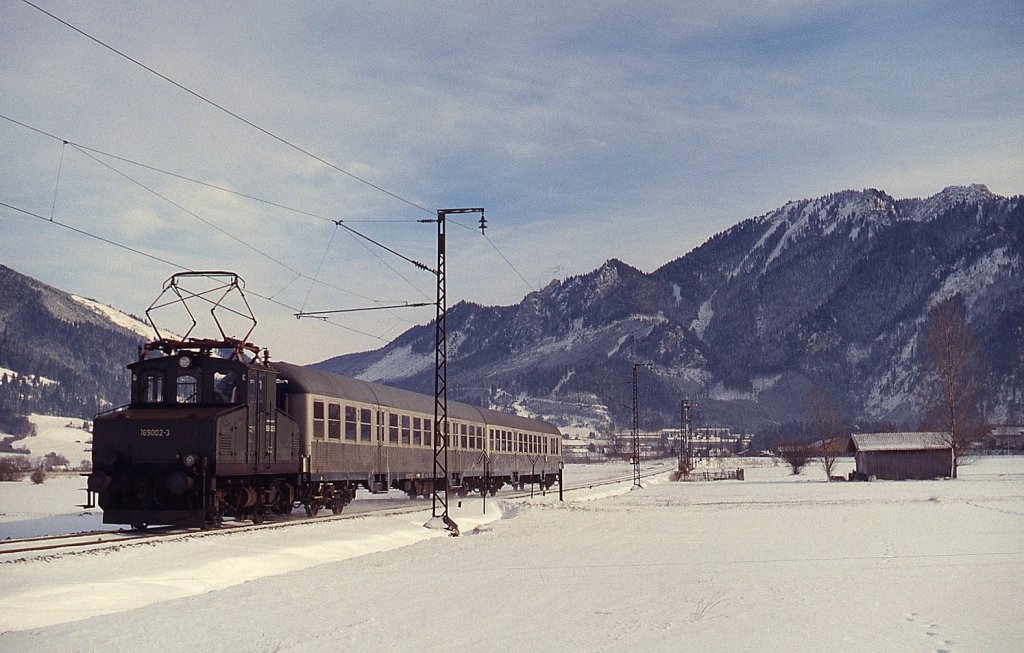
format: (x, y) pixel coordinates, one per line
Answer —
(307, 380)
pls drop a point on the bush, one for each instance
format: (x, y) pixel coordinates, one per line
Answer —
(38, 476)
(11, 470)
(795, 454)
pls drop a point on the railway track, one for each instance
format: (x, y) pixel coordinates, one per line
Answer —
(33, 547)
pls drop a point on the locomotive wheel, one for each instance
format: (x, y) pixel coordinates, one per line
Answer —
(337, 507)
(312, 509)
(139, 527)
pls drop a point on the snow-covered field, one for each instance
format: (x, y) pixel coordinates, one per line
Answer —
(60, 435)
(773, 563)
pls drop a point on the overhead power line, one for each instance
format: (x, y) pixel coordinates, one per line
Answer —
(179, 266)
(193, 180)
(91, 151)
(231, 113)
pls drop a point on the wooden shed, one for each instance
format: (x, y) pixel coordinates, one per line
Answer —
(901, 456)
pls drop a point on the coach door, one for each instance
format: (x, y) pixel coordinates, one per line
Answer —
(262, 449)
(381, 479)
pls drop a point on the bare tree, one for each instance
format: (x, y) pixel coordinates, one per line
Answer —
(796, 455)
(952, 390)
(616, 443)
(827, 422)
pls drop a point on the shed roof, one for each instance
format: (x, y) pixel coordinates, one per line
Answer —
(908, 441)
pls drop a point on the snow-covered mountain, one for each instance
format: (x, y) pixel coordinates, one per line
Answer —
(830, 291)
(59, 353)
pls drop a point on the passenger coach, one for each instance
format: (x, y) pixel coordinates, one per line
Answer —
(357, 433)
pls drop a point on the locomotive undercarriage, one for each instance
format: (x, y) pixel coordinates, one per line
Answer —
(169, 497)
(258, 496)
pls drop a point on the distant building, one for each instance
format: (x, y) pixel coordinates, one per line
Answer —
(901, 456)
(1004, 439)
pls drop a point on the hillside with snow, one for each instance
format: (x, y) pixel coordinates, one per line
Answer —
(79, 346)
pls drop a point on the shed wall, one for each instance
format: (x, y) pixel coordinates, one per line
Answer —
(904, 465)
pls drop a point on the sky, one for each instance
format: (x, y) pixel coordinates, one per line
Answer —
(586, 130)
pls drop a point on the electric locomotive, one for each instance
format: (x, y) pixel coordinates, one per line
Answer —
(201, 439)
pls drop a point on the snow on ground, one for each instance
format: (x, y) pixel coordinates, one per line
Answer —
(775, 563)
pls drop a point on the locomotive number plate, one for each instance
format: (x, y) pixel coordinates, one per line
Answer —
(155, 433)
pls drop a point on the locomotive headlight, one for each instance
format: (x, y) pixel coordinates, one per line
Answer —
(184, 362)
(189, 459)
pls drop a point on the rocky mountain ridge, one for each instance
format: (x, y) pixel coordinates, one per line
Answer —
(829, 292)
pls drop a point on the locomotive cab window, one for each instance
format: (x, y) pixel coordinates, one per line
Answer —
(188, 388)
(225, 387)
(152, 387)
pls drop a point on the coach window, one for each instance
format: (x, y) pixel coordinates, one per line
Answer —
(393, 428)
(365, 424)
(334, 421)
(318, 419)
(351, 426)
(153, 388)
(188, 389)
(462, 436)
(428, 428)
(417, 431)
(406, 428)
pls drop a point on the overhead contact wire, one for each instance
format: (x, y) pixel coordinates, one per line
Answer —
(228, 111)
(220, 229)
(179, 266)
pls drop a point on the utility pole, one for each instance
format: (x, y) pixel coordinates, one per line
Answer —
(636, 428)
(685, 463)
(439, 497)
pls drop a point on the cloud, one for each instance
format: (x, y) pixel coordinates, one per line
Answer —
(587, 130)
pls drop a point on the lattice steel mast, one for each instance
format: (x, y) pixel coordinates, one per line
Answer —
(439, 497)
(636, 428)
